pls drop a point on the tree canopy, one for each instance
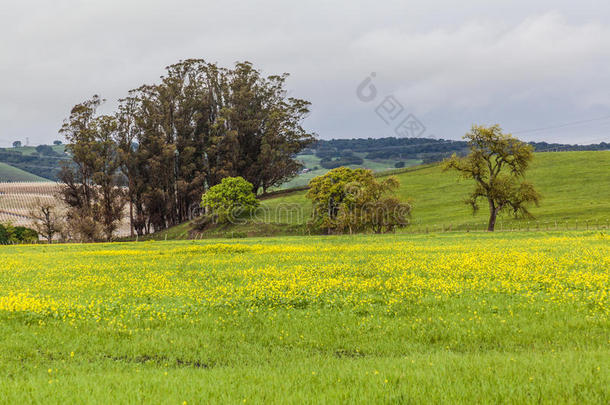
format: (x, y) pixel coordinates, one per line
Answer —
(91, 184)
(354, 200)
(497, 162)
(230, 199)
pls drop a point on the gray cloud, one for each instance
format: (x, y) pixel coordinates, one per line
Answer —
(520, 64)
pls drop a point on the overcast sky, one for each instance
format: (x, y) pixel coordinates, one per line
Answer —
(541, 69)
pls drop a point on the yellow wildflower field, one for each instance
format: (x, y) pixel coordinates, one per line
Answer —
(228, 306)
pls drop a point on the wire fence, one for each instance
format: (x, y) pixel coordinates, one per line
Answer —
(414, 228)
(513, 226)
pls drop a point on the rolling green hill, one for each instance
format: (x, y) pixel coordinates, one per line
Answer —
(575, 187)
(9, 173)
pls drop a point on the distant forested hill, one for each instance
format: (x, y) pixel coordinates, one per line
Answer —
(425, 149)
(43, 160)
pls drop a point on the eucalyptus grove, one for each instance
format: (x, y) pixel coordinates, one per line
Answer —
(199, 124)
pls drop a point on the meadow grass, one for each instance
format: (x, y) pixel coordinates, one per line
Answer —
(575, 188)
(451, 318)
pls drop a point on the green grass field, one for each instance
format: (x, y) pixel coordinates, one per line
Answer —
(10, 173)
(438, 318)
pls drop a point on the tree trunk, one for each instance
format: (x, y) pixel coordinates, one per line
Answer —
(493, 213)
(131, 216)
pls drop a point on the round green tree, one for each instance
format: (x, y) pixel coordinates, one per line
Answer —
(230, 199)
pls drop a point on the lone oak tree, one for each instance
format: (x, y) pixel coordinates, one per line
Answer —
(497, 163)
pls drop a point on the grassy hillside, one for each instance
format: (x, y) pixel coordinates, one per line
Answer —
(575, 187)
(372, 319)
(9, 173)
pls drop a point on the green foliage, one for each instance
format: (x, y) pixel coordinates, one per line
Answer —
(17, 234)
(353, 200)
(25, 235)
(328, 191)
(46, 150)
(497, 163)
(6, 233)
(230, 199)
